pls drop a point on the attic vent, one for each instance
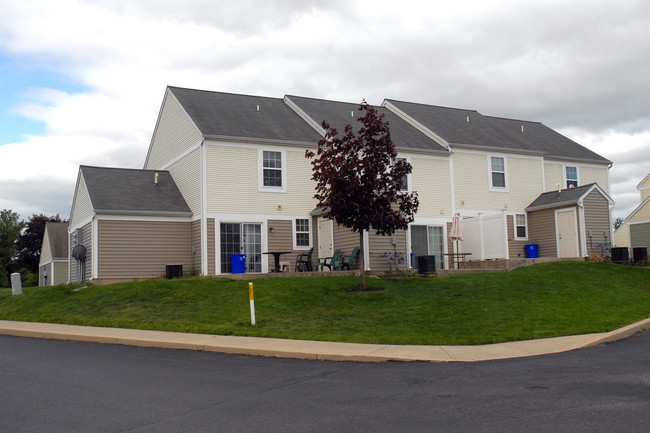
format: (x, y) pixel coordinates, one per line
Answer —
(467, 119)
(258, 107)
(522, 128)
(351, 113)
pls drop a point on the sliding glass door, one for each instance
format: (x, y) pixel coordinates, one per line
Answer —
(241, 238)
(428, 241)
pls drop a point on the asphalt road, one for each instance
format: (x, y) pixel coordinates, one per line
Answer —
(62, 386)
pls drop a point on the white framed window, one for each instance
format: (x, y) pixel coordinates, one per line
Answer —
(301, 233)
(498, 175)
(571, 176)
(521, 230)
(272, 172)
(406, 179)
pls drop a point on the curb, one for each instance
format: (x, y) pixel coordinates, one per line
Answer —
(315, 350)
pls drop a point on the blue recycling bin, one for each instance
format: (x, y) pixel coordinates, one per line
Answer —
(238, 263)
(531, 251)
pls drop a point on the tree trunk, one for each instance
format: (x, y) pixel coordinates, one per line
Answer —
(362, 270)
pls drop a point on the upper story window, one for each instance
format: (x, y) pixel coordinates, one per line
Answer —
(405, 178)
(497, 173)
(272, 175)
(520, 226)
(571, 176)
(301, 229)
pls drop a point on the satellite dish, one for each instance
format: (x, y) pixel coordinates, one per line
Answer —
(79, 252)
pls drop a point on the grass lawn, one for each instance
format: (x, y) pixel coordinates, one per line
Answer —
(544, 300)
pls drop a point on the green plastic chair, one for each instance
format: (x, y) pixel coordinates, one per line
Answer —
(332, 263)
(347, 261)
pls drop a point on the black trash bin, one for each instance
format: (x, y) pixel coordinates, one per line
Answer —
(426, 265)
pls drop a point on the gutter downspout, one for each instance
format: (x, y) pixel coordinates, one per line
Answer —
(204, 206)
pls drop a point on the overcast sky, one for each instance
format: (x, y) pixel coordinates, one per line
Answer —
(81, 82)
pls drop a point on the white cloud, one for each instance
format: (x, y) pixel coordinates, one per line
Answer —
(579, 67)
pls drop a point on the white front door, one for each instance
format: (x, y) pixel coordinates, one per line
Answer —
(567, 233)
(325, 238)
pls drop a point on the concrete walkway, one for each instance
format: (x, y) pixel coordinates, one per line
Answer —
(314, 349)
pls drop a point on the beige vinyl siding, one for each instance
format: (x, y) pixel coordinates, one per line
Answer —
(553, 176)
(472, 183)
(142, 249)
(60, 271)
(175, 133)
(233, 172)
(86, 240)
(642, 214)
(596, 209)
(195, 261)
(622, 236)
(593, 174)
(83, 207)
(187, 175)
(541, 226)
(516, 248)
(645, 193)
(212, 258)
(346, 240)
(431, 179)
(640, 235)
(281, 240)
(380, 245)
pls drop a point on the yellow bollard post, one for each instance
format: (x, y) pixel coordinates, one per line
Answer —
(252, 300)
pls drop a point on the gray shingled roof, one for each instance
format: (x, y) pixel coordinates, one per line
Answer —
(123, 190)
(494, 133)
(340, 114)
(558, 198)
(57, 234)
(228, 115)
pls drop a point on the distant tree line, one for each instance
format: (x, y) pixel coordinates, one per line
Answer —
(20, 246)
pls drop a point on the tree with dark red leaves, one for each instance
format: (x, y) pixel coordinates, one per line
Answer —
(359, 179)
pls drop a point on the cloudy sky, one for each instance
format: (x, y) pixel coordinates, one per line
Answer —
(81, 82)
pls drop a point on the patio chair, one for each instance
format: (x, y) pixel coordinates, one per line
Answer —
(303, 262)
(332, 263)
(347, 261)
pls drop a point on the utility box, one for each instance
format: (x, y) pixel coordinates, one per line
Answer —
(620, 255)
(16, 284)
(640, 254)
(426, 265)
(174, 271)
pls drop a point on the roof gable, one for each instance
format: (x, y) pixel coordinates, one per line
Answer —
(340, 114)
(565, 197)
(121, 190)
(246, 117)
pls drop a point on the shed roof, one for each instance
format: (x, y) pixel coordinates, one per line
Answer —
(229, 115)
(57, 234)
(469, 128)
(124, 190)
(565, 197)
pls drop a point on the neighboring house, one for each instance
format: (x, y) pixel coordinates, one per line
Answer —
(127, 224)
(635, 230)
(239, 163)
(53, 264)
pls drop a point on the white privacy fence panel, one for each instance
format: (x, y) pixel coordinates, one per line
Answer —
(485, 237)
